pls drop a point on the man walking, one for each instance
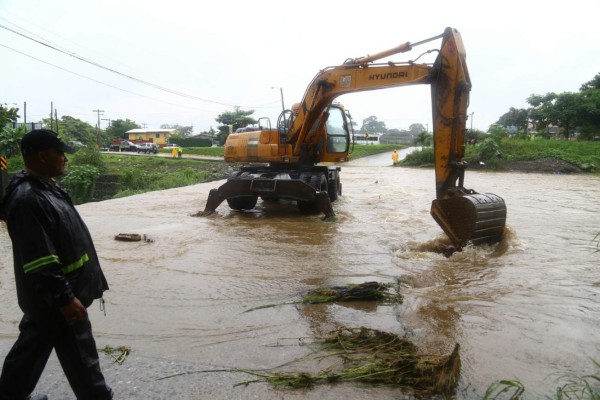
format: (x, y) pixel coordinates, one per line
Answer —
(57, 275)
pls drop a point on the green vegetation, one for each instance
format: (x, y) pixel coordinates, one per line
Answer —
(199, 151)
(118, 354)
(146, 174)
(367, 291)
(360, 150)
(363, 150)
(498, 154)
(79, 182)
(420, 158)
(10, 139)
(575, 388)
(586, 155)
(375, 357)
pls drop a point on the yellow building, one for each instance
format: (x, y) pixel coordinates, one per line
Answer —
(158, 136)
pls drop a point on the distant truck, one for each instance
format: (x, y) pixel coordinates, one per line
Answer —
(123, 145)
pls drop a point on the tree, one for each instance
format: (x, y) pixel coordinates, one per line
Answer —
(232, 120)
(515, 117)
(10, 140)
(568, 111)
(423, 139)
(475, 135)
(118, 129)
(589, 112)
(540, 113)
(497, 132)
(565, 112)
(415, 129)
(8, 115)
(71, 128)
(371, 124)
(182, 131)
(593, 84)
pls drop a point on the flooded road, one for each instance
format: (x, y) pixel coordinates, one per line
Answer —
(527, 308)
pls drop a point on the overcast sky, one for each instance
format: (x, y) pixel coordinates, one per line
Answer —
(219, 54)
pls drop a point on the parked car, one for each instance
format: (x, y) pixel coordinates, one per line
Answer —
(148, 148)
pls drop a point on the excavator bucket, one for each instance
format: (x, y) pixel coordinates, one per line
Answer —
(475, 218)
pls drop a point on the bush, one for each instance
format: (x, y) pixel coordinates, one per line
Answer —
(134, 179)
(79, 182)
(88, 156)
(423, 157)
(489, 153)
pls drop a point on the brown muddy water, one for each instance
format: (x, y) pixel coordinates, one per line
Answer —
(527, 308)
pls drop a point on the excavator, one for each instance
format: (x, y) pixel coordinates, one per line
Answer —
(286, 162)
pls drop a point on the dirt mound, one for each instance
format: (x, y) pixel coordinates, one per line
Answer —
(551, 165)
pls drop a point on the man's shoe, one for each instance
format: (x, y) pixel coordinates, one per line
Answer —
(37, 397)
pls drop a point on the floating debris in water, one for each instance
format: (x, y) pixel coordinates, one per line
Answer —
(133, 237)
(352, 292)
(375, 357)
(368, 291)
(128, 237)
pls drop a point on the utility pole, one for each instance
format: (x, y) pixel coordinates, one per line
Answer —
(281, 94)
(471, 118)
(100, 112)
(107, 119)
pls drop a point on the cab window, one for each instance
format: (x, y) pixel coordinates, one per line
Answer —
(337, 135)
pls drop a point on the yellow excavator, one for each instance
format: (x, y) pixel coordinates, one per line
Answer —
(285, 162)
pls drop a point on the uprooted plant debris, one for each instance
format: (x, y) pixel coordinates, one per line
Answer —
(351, 292)
(374, 357)
(367, 291)
(119, 354)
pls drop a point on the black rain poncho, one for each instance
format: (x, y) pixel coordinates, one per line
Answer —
(54, 256)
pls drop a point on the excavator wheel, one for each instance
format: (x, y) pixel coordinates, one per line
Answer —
(334, 189)
(242, 202)
(475, 218)
(319, 183)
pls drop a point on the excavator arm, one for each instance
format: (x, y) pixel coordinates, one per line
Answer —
(465, 215)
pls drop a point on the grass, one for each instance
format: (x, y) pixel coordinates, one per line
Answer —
(144, 174)
(363, 150)
(118, 354)
(360, 150)
(575, 388)
(367, 291)
(582, 154)
(585, 155)
(199, 151)
(375, 357)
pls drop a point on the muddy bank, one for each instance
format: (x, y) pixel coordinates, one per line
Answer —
(548, 165)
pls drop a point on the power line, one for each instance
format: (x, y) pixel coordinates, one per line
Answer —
(54, 34)
(44, 42)
(92, 79)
